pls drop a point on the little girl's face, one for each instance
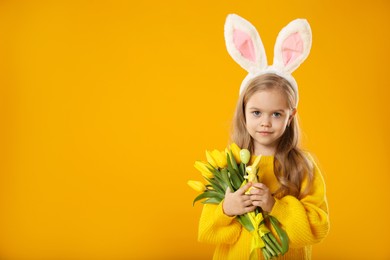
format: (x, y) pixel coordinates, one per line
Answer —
(267, 115)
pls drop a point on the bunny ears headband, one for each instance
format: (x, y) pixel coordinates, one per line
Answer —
(245, 46)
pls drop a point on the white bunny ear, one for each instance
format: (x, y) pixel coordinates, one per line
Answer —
(292, 45)
(244, 44)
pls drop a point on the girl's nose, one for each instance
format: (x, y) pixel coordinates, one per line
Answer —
(265, 122)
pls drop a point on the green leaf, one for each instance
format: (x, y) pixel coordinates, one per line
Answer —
(219, 179)
(235, 180)
(229, 164)
(207, 194)
(199, 197)
(245, 222)
(216, 186)
(242, 170)
(233, 175)
(225, 176)
(240, 176)
(212, 201)
(233, 161)
(217, 174)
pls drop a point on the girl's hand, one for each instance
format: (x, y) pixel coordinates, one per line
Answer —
(262, 197)
(237, 203)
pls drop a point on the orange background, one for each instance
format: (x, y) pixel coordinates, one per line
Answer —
(105, 106)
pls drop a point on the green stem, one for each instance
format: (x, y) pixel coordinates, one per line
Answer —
(265, 253)
(281, 233)
(276, 243)
(271, 244)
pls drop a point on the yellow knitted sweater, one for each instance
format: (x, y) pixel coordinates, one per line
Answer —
(305, 221)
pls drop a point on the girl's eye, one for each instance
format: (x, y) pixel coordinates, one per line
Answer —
(277, 114)
(256, 113)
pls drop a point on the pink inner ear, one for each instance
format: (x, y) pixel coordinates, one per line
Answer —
(292, 47)
(244, 44)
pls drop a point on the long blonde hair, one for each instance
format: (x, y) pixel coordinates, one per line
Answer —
(290, 163)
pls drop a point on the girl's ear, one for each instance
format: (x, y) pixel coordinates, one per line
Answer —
(244, 44)
(292, 45)
(290, 118)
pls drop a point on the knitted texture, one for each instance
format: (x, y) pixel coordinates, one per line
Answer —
(305, 221)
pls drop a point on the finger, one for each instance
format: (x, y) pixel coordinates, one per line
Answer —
(228, 191)
(255, 190)
(247, 203)
(258, 192)
(255, 198)
(260, 186)
(244, 188)
(257, 203)
(249, 209)
(245, 197)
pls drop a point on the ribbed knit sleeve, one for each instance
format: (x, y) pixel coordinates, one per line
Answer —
(306, 220)
(217, 228)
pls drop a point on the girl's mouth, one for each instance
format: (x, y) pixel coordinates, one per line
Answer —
(265, 132)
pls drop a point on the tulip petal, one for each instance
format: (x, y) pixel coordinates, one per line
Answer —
(219, 158)
(197, 185)
(210, 159)
(236, 152)
(204, 169)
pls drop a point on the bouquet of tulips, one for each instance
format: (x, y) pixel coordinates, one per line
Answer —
(230, 169)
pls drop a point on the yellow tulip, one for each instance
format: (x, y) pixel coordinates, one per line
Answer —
(219, 158)
(197, 185)
(210, 159)
(227, 152)
(236, 152)
(202, 167)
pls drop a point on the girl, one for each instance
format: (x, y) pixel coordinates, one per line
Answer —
(291, 186)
